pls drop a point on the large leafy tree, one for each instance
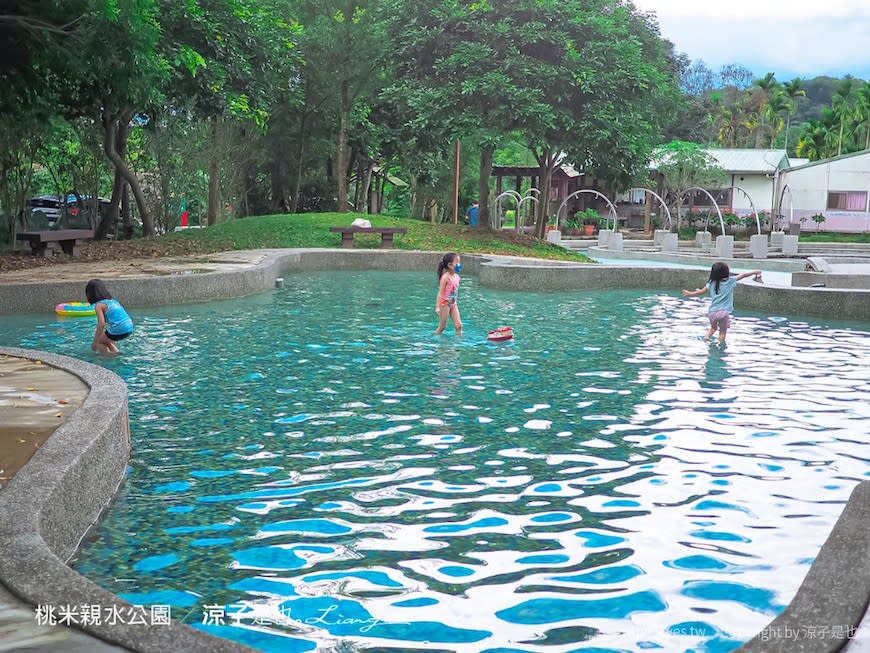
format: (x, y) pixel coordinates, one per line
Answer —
(586, 78)
(683, 166)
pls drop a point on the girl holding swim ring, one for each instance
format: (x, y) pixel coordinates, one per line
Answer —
(448, 288)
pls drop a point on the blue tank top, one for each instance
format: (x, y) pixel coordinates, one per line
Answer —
(724, 299)
(117, 321)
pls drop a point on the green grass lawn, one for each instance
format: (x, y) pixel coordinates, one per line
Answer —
(312, 230)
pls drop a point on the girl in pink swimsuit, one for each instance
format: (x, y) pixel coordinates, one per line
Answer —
(448, 288)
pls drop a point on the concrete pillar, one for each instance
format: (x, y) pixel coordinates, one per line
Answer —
(615, 241)
(554, 236)
(776, 239)
(790, 245)
(758, 245)
(725, 246)
(703, 239)
(604, 236)
(670, 242)
(658, 235)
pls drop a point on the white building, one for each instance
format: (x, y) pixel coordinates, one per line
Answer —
(752, 176)
(836, 188)
(750, 181)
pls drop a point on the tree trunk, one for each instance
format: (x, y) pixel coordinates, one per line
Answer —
(787, 126)
(111, 152)
(367, 184)
(486, 153)
(126, 215)
(546, 164)
(341, 162)
(413, 194)
(213, 195)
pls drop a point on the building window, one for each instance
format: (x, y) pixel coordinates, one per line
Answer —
(722, 195)
(850, 200)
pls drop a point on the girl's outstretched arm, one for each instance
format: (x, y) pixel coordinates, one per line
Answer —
(695, 293)
(753, 273)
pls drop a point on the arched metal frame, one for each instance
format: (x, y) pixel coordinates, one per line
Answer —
(659, 198)
(593, 192)
(508, 193)
(715, 205)
(790, 204)
(752, 206)
(525, 198)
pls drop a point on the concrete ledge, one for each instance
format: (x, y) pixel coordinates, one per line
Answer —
(835, 591)
(53, 500)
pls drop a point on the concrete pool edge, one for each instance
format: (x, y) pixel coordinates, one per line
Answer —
(833, 597)
(495, 271)
(43, 577)
(52, 502)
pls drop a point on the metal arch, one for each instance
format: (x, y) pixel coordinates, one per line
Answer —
(508, 193)
(752, 206)
(715, 205)
(594, 192)
(790, 203)
(520, 205)
(659, 198)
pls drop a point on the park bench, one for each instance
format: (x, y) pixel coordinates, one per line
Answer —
(387, 234)
(47, 242)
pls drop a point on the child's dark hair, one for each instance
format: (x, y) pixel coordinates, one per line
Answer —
(445, 261)
(719, 272)
(96, 291)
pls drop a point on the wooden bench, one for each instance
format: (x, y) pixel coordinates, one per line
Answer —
(46, 243)
(387, 234)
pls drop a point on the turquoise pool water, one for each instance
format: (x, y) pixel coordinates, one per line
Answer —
(312, 467)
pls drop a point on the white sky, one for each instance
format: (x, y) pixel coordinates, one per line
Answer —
(791, 38)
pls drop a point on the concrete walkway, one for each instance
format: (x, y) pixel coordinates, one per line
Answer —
(19, 631)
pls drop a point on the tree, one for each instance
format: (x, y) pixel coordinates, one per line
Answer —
(843, 108)
(582, 78)
(793, 90)
(735, 75)
(862, 111)
(765, 87)
(682, 166)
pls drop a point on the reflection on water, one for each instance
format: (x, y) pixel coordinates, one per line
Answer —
(315, 467)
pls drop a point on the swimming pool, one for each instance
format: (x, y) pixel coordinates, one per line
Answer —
(315, 465)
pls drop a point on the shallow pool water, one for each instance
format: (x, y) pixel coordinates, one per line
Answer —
(311, 466)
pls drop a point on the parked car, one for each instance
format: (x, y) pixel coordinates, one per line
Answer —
(52, 206)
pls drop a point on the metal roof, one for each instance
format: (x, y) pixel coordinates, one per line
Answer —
(745, 160)
(794, 162)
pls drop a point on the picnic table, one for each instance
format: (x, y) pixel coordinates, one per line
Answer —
(386, 233)
(46, 243)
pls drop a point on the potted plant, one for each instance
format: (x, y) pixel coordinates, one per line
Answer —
(590, 219)
(572, 225)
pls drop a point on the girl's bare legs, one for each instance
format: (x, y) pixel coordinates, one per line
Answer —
(722, 331)
(106, 345)
(457, 321)
(710, 332)
(443, 312)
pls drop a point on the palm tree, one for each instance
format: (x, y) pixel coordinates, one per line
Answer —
(842, 107)
(862, 110)
(793, 90)
(776, 104)
(813, 141)
(766, 86)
